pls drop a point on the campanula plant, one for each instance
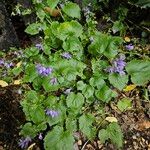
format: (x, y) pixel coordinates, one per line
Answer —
(75, 69)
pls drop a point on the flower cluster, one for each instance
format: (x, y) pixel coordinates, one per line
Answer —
(51, 113)
(44, 71)
(118, 66)
(66, 55)
(6, 64)
(23, 143)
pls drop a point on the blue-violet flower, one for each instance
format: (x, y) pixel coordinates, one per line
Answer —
(53, 81)
(66, 55)
(44, 71)
(51, 113)
(129, 47)
(23, 143)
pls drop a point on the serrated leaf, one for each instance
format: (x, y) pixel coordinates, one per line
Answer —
(72, 10)
(139, 71)
(124, 104)
(68, 29)
(118, 81)
(75, 100)
(30, 73)
(33, 28)
(3, 83)
(58, 139)
(72, 44)
(81, 85)
(112, 132)
(85, 124)
(52, 3)
(103, 135)
(105, 94)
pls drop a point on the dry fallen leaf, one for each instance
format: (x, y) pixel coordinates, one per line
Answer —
(143, 125)
(18, 64)
(3, 83)
(53, 12)
(111, 119)
(31, 146)
(17, 82)
(129, 87)
(127, 39)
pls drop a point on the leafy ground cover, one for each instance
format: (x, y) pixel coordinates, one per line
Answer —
(84, 86)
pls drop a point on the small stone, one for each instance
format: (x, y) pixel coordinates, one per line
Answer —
(134, 137)
(80, 142)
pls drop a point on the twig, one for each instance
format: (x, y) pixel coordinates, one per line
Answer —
(84, 145)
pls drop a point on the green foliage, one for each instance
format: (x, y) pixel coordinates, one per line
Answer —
(58, 139)
(33, 28)
(104, 44)
(85, 125)
(112, 132)
(124, 104)
(52, 3)
(141, 3)
(139, 71)
(80, 84)
(72, 10)
(118, 81)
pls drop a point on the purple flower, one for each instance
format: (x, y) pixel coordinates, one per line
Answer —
(51, 113)
(8, 65)
(44, 71)
(1, 62)
(66, 55)
(23, 143)
(67, 91)
(53, 81)
(40, 136)
(39, 46)
(118, 66)
(129, 47)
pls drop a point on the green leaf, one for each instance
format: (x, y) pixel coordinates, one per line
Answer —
(30, 73)
(32, 51)
(103, 135)
(75, 101)
(85, 125)
(112, 132)
(104, 44)
(124, 104)
(72, 44)
(72, 10)
(81, 85)
(37, 114)
(58, 139)
(105, 94)
(139, 71)
(118, 81)
(33, 28)
(48, 86)
(88, 91)
(68, 29)
(52, 3)
(28, 130)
